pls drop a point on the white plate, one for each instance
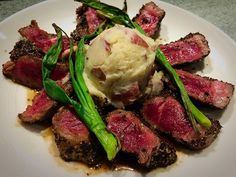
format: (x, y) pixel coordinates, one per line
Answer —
(25, 153)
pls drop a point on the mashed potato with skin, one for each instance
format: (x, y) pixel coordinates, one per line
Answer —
(119, 64)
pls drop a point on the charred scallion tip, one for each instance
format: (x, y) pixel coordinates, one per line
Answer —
(125, 8)
(193, 112)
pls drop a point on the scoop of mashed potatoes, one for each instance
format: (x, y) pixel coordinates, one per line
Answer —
(119, 64)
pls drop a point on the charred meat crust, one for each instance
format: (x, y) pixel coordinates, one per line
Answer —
(82, 25)
(207, 139)
(83, 152)
(191, 48)
(149, 18)
(163, 156)
(25, 47)
(75, 142)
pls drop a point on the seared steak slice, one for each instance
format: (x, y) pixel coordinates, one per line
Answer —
(43, 107)
(207, 90)
(138, 140)
(41, 38)
(192, 47)
(73, 139)
(25, 47)
(27, 71)
(167, 115)
(149, 18)
(87, 22)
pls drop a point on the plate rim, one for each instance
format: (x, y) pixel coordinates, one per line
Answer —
(212, 26)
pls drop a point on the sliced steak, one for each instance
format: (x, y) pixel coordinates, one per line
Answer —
(27, 71)
(207, 90)
(25, 47)
(138, 140)
(149, 18)
(87, 22)
(167, 115)
(191, 48)
(43, 107)
(41, 38)
(73, 139)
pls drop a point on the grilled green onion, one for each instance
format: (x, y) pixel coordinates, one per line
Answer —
(193, 112)
(86, 109)
(90, 114)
